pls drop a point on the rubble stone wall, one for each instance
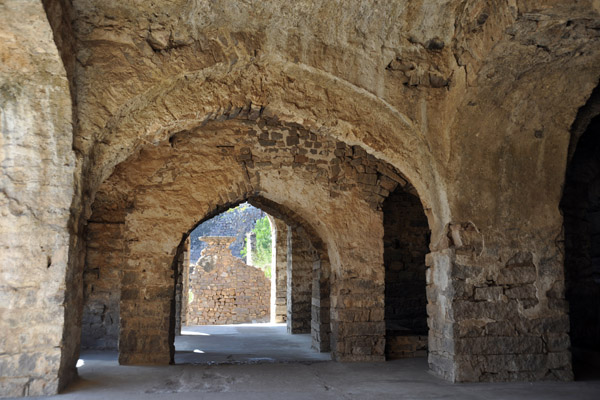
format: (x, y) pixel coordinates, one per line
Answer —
(224, 290)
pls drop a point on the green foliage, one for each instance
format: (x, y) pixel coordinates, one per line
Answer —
(244, 249)
(262, 256)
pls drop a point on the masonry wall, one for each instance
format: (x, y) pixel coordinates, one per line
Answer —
(406, 243)
(320, 304)
(504, 322)
(492, 184)
(300, 260)
(224, 290)
(280, 163)
(37, 167)
(102, 285)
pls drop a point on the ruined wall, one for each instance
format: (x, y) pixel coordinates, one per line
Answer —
(406, 242)
(224, 290)
(235, 222)
(406, 345)
(406, 81)
(37, 167)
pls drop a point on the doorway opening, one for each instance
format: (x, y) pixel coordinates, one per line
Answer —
(406, 242)
(227, 292)
(580, 206)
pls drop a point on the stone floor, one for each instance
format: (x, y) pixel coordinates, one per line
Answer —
(243, 344)
(239, 363)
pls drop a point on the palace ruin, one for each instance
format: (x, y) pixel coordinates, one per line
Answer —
(432, 168)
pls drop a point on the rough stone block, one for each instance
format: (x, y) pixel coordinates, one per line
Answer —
(492, 293)
(499, 345)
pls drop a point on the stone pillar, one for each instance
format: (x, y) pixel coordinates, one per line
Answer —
(320, 321)
(357, 289)
(147, 299)
(357, 320)
(440, 299)
(102, 283)
(496, 313)
(280, 268)
(273, 299)
(299, 282)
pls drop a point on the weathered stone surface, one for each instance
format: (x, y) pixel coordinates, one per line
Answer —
(102, 281)
(338, 107)
(37, 174)
(299, 283)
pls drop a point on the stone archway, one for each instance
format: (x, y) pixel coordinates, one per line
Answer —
(275, 92)
(337, 189)
(298, 253)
